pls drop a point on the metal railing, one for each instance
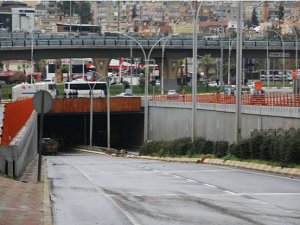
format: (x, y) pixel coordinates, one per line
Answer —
(286, 100)
(97, 40)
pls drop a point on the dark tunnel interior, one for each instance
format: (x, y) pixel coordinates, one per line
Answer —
(74, 129)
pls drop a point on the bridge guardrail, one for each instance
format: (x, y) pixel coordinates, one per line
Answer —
(115, 41)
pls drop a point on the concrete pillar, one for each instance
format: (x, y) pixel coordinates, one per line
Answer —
(171, 68)
(170, 72)
(101, 65)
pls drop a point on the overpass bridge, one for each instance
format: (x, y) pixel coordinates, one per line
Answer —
(104, 48)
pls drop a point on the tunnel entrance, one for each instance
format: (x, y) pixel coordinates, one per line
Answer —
(74, 129)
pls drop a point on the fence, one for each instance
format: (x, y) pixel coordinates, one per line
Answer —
(287, 100)
(15, 116)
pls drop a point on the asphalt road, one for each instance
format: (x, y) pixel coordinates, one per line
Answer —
(91, 189)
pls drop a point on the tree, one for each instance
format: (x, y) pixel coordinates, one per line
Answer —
(83, 9)
(281, 11)
(134, 12)
(64, 7)
(18, 77)
(254, 19)
(142, 83)
(271, 34)
(208, 64)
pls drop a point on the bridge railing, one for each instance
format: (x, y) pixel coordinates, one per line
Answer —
(286, 100)
(9, 41)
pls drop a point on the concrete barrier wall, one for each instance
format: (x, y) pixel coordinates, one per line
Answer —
(22, 149)
(172, 120)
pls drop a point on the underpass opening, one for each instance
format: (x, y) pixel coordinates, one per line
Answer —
(74, 129)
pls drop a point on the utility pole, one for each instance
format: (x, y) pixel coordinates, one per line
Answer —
(222, 49)
(239, 57)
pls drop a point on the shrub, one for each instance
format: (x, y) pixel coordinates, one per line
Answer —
(126, 85)
(266, 147)
(180, 146)
(221, 148)
(257, 139)
(197, 145)
(207, 147)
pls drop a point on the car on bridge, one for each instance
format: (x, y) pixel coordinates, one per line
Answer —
(172, 94)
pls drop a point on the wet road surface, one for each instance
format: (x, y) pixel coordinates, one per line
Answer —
(91, 189)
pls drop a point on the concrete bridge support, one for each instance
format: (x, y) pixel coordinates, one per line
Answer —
(101, 65)
(170, 72)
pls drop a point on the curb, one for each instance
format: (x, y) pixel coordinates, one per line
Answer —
(254, 166)
(230, 163)
(47, 204)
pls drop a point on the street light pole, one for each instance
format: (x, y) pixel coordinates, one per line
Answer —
(91, 113)
(222, 51)
(131, 62)
(283, 55)
(268, 63)
(296, 58)
(239, 57)
(108, 108)
(146, 59)
(229, 55)
(31, 58)
(194, 75)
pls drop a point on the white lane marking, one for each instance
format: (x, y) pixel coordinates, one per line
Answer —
(190, 180)
(166, 173)
(231, 193)
(129, 216)
(271, 194)
(155, 170)
(177, 176)
(209, 185)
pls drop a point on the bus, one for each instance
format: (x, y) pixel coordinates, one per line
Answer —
(81, 88)
(27, 90)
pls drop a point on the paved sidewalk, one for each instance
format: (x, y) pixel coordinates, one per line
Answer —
(25, 201)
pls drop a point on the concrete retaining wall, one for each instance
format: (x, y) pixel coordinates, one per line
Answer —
(172, 120)
(22, 149)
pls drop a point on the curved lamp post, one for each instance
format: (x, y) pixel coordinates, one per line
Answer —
(107, 106)
(296, 58)
(31, 58)
(194, 76)
(229, 55)
(91, 112)
(147, 59)
(283, 55)
(268, 61)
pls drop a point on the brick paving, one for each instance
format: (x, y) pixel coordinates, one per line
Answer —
(22, 201)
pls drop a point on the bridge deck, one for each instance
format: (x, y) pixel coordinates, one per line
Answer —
(78, 105)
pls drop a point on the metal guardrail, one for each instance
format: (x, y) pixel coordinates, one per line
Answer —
(25, 40)
(285, 100)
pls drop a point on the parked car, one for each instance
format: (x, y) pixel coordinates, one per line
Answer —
(229, 89)
(50, 146)
(213, 84)
(125, 94)
(172, 94)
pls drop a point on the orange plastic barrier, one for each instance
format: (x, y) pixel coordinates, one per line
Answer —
(15, 116)
(287, 100)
